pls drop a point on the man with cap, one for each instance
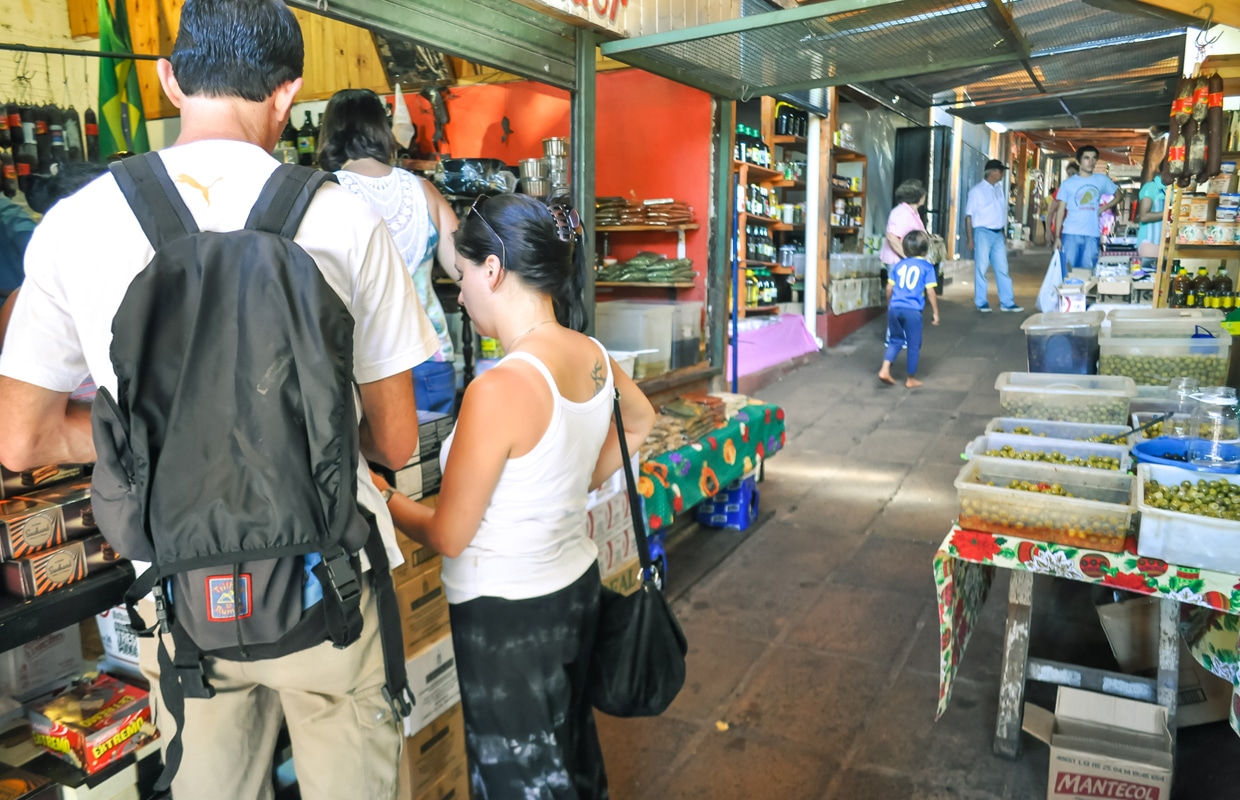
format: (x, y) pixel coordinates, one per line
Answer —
(1078, 232)
(984, 225)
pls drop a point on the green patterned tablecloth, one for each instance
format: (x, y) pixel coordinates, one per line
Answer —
(681, 479)
(964, 569)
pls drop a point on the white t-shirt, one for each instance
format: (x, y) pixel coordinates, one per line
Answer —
(89, 247)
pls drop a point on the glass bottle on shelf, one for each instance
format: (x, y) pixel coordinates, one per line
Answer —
(1202, 284)
(1222, 281)
(307, 142)
(1178, 297)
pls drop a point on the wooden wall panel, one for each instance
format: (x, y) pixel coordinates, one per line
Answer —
(84, 18)
(152, 29)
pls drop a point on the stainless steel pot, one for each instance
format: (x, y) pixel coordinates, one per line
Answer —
(535, 187)
(532, 168)
(555, 146)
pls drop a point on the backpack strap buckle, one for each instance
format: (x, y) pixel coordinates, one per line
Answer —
(401, 703)
(342, 578)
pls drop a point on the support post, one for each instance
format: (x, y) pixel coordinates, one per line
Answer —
(719, 265)
(1015, 664)
(581, 145)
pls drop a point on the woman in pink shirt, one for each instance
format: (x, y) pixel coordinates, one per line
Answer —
(903, 220)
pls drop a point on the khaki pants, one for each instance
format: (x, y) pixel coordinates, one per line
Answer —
(346, 743)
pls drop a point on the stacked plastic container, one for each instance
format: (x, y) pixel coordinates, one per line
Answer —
(1066, 398)
(1153, 346)
(1064, 342)
(638, 325)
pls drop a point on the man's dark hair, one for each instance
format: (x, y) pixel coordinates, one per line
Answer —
(915, 244)
(1073, 167)
(355, 125)
(1081, 151)
(910, 191)
(236, 48)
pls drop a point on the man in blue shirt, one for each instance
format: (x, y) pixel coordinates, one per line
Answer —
(909, 283)
(1078, 232)
(16, 225)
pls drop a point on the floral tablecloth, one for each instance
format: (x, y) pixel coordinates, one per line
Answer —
(964, 569)
(679, 480)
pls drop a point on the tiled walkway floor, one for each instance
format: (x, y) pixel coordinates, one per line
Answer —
(815, 641)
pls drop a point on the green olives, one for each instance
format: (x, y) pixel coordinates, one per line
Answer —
(1217, 498)
(1054, 457)
(1145, 370)
(1065, 408)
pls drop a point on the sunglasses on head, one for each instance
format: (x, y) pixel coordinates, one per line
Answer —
(473, 209)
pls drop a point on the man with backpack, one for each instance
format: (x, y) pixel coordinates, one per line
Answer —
(252, 334)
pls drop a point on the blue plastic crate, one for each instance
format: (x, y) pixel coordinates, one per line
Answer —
(735, 506)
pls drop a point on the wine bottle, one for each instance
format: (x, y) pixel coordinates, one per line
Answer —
(307, 142)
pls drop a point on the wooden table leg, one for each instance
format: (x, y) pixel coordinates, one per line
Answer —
(1168, 656)
(1015, 665)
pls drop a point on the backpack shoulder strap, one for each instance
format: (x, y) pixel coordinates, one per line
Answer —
(154, 198)
(285, 198)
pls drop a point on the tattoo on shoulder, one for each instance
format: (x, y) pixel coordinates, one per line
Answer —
(599, 375)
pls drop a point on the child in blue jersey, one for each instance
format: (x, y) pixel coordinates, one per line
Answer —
(909, 283)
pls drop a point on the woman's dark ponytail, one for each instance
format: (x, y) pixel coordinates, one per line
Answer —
(545, 245)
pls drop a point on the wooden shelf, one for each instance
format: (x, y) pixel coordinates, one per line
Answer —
(845, 154)
(1208, 250)
(643, 285)
(759, 263)
(789, 184)
(778, 270)
(677, 378)
(688, 226)
(24, 621)
(761, 310)
(784, 226)
(846, 192)
(836, 229)
(761, 219)
(762, 174)
(787, 139)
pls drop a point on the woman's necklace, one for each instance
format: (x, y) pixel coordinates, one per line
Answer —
(525, 332)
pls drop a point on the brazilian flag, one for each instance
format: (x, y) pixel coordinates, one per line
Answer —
(122, 122)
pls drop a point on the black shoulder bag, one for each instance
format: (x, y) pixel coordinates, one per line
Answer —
(638, 664)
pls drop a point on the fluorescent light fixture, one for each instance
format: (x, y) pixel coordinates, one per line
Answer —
(997, 127)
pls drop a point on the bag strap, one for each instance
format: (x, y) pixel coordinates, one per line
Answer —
(391, 640)
(285, 198)
(635, 502)
(154, 199)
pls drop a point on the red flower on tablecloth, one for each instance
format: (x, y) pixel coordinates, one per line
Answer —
(779, 414)
(949, 594)
(745, 433)
(678, 504)
(1131, 581)
(1027, 552)
(945, 639)
(713, 442)
(761, 450)
(975, 545)
(767, 416)
(656, 522)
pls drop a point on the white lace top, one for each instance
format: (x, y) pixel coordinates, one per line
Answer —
(398, 198)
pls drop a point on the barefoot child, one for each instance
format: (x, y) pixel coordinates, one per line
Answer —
(909, 283)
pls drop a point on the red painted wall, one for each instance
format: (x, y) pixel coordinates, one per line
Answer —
(652, 140)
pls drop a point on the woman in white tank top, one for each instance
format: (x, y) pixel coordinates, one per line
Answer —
(534, 435)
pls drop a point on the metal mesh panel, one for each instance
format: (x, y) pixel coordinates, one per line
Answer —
(1050, 25)
(1141, 95)
(837, 49)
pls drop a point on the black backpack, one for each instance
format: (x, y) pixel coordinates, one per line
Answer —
(228, 458)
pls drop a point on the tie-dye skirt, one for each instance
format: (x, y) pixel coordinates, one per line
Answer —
(523, 667)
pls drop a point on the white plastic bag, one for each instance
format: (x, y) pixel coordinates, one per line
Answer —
(1048, 298)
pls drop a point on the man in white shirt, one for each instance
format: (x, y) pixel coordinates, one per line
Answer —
(234, 72)
(1078, 232)
(985, 224)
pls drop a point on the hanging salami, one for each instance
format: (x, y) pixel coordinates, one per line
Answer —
(1214, 127)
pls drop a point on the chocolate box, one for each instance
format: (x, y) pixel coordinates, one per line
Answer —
(40, 522)
(94, 724)
(52, 569)
(14, 484)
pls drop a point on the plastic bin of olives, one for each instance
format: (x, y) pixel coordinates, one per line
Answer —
(1046, 429)
(1067, 505)
(1064, 452)
(1150, 370)
(1095, 399)
(1153, 350)
(1189, 518)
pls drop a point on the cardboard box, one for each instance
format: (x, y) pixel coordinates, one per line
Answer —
(53, 569)
(423, 606)
(1103, 747)
(1132, 631)
(29, 668)
(608, 513)
(626, 579)
(433, 428)
(419, 478)
(415, 554)
(32, 524)
(94, 724)
(120, 643)
(14, 484)
(432, 679)
(452, 785)
(436, 749)
(617, 552)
